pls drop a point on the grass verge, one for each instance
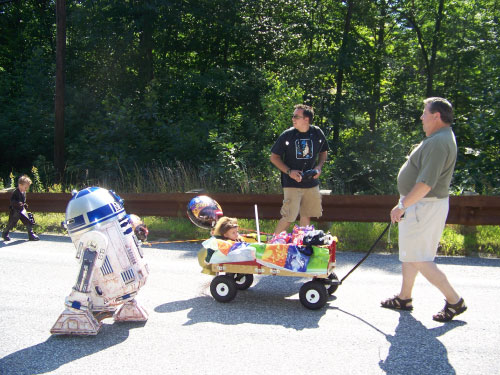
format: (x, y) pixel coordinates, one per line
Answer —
(457, 240)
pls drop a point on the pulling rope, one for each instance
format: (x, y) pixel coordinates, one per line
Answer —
(253, 230)
(367, 254)
(160, 242)
(179, 241)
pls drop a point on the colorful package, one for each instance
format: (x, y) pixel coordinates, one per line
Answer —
(296, 260)
(298, 234)
(292, 258)
(229, 251)
(275, 254)
(282, 238)
(318, 263)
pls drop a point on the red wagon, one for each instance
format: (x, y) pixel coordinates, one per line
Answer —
(233, 276)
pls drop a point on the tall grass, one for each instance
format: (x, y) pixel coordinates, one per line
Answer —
(157, 176)
(162, 178)
(181, 177)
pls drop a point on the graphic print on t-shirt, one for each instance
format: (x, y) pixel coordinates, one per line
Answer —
(303, 148)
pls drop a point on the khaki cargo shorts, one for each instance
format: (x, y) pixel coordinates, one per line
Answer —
(306, 202)
(421, 229)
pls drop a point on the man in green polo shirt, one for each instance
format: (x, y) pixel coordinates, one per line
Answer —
(423, 184)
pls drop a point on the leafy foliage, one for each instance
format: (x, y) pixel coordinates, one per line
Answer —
(200, 89)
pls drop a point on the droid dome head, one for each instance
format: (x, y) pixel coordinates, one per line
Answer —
(203, 211)
(91, 207)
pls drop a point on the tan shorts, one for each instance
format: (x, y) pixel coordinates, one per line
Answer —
(307, 202)
(421, 229)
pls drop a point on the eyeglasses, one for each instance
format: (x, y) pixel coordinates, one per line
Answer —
(297, 117)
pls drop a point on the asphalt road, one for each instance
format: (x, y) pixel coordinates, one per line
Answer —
(263, 330)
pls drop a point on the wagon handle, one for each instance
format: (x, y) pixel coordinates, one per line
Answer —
(367, 254)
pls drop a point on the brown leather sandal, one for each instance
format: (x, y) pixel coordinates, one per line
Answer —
(449, 311)
(397, 303)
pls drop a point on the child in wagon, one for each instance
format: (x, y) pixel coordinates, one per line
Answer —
(226, 228)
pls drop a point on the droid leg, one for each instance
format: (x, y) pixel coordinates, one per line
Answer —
(77, 318)
(131, 311)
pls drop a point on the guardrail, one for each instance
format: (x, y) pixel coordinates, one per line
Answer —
(466, 210)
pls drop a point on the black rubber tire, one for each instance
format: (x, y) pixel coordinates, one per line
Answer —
(243, 280)
(223, 288)
(332, 288)
(313, 295)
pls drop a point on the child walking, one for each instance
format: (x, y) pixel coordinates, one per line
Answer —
(18, 210)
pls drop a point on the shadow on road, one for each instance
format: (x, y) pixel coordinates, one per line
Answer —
(267, 302)
(12, 242)
(48, 356)
(17, 238)
(415, 349)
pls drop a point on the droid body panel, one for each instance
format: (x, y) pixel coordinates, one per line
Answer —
(112, 264)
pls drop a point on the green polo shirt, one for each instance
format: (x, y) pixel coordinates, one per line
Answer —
(431, 162)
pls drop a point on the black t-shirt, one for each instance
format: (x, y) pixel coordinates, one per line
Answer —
(300, 151)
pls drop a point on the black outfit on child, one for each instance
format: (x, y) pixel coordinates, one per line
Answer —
(18, 212)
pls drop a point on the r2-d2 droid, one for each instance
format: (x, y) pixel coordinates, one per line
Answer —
(112, 268)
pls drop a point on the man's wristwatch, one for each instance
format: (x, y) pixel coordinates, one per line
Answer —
(288, 171)
(401, 206)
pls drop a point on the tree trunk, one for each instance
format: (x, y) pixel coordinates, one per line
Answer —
(59, 94)
(145, 26)
(430, 62)
(373, 108)
(434, 48)
(339, 79)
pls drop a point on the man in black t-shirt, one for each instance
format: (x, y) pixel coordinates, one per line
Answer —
(294, 153)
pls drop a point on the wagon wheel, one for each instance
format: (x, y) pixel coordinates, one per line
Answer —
(243, 280)
(223, 288)
(333, 287)
(313, 295)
